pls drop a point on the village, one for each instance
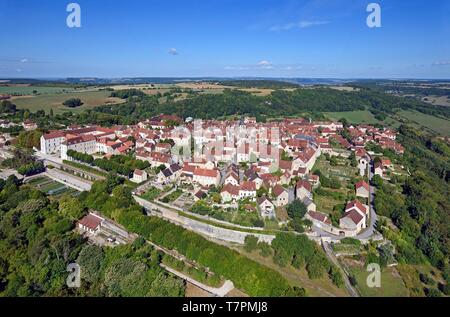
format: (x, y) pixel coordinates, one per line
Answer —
(244, 173)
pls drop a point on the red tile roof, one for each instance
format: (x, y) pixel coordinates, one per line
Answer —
(356, 204)
(54, 135)
(362, 184)
(233, 190)
(278, 190)
(319, 217)
(91, 221)
(205, 172)
(248, 186)
(355, 216)
(305, 184)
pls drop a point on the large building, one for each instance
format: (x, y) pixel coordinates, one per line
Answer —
(84, 144)
(207, 177)
(51, 142)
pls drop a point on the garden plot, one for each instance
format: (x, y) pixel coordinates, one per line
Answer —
(51, 187)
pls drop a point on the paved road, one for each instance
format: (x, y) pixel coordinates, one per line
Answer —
(69, 180)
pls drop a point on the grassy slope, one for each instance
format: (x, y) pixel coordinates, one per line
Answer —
(322, 287)
(436, 124)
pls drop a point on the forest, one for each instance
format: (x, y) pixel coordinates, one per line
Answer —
(37, 242)
(421, 209)
(279, 103)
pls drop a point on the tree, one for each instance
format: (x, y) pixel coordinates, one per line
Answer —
(376, 181)
(73, 103)
(296, 209)
(71, 208)
(29, 139)
(336, 276)
(265, 249)
(251, 243)
(90, 260)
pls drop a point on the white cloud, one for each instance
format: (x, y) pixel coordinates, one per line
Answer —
(24, 60)
(265, 64)
(173, 51)
(441, 63)
(299, 25)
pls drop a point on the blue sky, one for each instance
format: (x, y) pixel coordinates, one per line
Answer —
(268, 38)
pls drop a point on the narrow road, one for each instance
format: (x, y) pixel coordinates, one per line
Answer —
(227, 287)
(329, 252)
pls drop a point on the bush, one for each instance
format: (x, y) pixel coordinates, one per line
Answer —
(351, 241)
(424, 278)
(432, 292)
(298, 250)
(265, 249)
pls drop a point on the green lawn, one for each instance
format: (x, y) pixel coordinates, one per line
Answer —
(392, 284)
(326, 204)
(54, 101)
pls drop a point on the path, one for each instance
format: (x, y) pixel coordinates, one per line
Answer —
(329, 252)
(222, 291)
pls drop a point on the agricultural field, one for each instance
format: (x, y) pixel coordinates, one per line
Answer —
(433, 123)
(356, 117)
(54, 101)
(437, 100)
(23, 90)
(360, 117)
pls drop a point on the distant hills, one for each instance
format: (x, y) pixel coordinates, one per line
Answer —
(171, 80)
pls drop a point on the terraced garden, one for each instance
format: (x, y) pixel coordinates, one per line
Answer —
(51, 187)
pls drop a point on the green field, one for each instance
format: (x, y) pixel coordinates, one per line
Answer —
(360, 117)
(30, 90)
(356, 117)
(54, 101)
(435, 124)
